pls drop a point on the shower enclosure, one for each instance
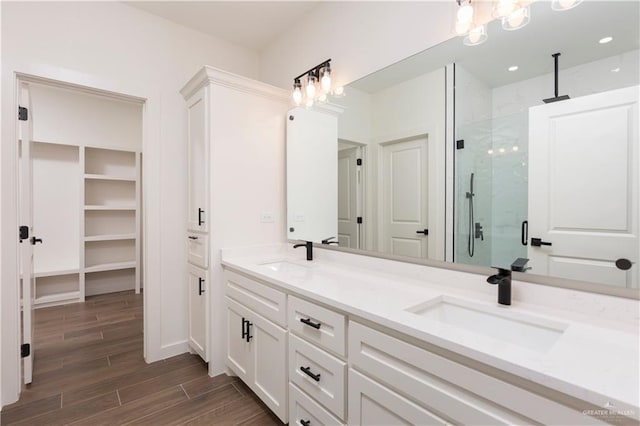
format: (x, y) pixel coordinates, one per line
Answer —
(491, 190)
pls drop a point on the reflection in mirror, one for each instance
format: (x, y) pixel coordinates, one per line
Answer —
(556, 183)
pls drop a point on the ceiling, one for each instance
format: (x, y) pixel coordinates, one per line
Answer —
(251, 24)
(574, 33)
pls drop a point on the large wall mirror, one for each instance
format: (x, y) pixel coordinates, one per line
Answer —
(506, 175)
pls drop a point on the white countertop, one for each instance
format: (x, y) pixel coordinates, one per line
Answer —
(595, 360)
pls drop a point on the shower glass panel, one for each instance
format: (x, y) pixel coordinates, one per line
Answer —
(491, 190)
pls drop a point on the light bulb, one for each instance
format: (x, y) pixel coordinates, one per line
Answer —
(517, 19)
(338, 91)
(503, 8)
(462, 27)
(561, 5)
(465, 13)
(311, 87)
(297, 95)
(325, 81)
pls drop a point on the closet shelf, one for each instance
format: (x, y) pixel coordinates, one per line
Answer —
(110, 266)
(59, 297)
(114, 207)
(110, 237)
(109, 177)
(55, 273)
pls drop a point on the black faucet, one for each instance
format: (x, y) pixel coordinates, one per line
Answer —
(309, 246)
(329, 241)
(503, 279)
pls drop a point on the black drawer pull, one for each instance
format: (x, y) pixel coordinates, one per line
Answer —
(244, 333)
(249, 336)
(310, 323)
(200, 288)
(305, 422)
(200, 220)
(191, 237)
(307, 371)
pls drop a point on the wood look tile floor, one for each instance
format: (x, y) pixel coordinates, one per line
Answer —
(89, 370)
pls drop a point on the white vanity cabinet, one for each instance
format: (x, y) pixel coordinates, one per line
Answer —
(256, 345)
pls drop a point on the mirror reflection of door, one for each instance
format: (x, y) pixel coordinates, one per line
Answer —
(405, 197)
(349, 195)
(583, 188)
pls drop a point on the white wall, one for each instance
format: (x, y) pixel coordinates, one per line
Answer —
(112, 46)
(359, 37)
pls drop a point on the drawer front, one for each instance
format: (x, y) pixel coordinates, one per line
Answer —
(260, 298)
(371, 403)
(319, 325)
(198, 249)
(328, 386)
(305, 411)
(460, 393)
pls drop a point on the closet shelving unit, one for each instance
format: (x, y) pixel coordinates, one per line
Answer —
(88, 214)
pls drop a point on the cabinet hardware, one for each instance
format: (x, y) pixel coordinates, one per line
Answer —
(524, 232)
(35, 240)
(24, 233)
(424, 231)
(537, 242)
(305, 422)
(307, 371)
(25, 350)
(23, 114)
(623, 264)
(310, 323)
(191, 237)
(249, 336)
(200, 288)
(200, 221)
(244, 333)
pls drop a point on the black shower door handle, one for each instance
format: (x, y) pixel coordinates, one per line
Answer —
(524, 232)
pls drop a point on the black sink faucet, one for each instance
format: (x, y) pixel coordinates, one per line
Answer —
(309, 246)
(329, 240)
(520, 265)
(503, 279)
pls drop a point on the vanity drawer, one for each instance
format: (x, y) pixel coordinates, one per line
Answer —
(325, 377)
(302, 408)
(260, 298)
(198, 249)
(319, 325)
(462, 394)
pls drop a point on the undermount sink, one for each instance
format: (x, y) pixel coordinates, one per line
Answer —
(284, 266)
(533, 333)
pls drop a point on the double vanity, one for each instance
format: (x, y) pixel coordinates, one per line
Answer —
(349, 339)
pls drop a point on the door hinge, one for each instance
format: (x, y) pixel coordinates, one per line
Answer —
(359, 219)
(25, 350)
(359, 162)
(24, 233)
(460, 144)
(23, 113)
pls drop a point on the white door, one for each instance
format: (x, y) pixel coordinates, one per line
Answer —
(583, 188)
(198, 151)
(348, 232)
(405, 198)
(198, 318)
(26, 245)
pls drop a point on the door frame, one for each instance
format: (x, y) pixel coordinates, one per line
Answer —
(10, 373)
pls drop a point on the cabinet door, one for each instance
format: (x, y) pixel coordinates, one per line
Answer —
(239, 354)
(198, 167)
(198, 313)
(270, 364)
(370, 403)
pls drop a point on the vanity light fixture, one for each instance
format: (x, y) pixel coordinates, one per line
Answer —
(317, 86)
(464, 17)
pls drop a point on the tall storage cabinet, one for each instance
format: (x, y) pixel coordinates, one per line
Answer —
(235, 193)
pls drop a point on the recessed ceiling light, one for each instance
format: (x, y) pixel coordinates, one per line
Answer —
(513, 68)
(616, 69)
(605, 40)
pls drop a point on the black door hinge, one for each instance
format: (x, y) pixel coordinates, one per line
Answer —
(25, 350)
(23, 114)
(359, 219)
(460, 144)
(359, 162)
(24, 233)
